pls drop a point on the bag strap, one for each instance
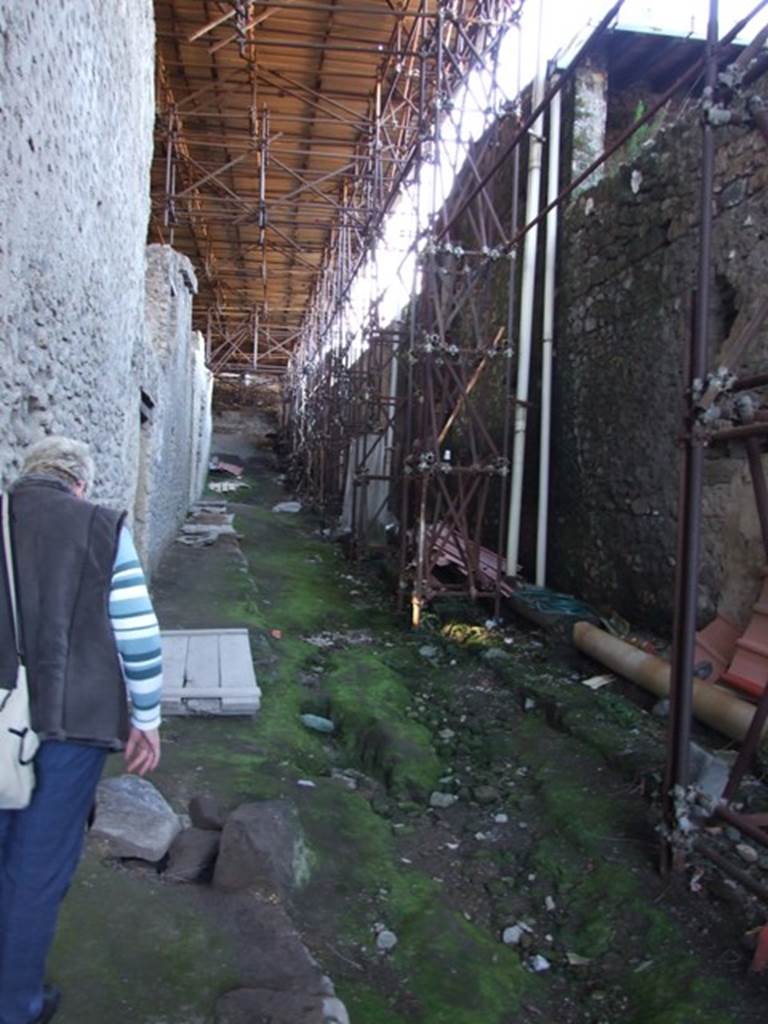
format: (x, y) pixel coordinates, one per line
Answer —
(10, 573)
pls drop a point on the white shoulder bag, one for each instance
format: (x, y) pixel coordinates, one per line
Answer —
(18, 743)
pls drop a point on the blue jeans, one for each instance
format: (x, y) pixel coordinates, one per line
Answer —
(40, 848)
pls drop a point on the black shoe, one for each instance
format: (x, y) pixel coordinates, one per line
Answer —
(51, 1000)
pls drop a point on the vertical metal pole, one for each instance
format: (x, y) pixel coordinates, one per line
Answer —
(255, 339)
(689, 502)
(548, 340)
(527, 300)
(411, 405)
(509, 353)
(759, 486)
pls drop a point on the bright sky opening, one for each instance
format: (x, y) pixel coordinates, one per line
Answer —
(389, 276)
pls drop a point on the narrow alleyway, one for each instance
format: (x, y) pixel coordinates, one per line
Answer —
(545, 839)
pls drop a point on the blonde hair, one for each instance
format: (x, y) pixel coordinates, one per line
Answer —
(61, 457)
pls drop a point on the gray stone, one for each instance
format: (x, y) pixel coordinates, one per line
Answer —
(497, 654)
(192, 854)
(386, 941)
(485, 794)
(747, 853)
(661, 708)
(709, 774)
(429, 652)
(442, 800)
(334, 1011)
(318, 723)
(262, 848)
(513, 935)
(133, 819)
(206, 812)
(539, 963)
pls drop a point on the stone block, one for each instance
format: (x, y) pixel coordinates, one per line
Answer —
(192, 854)
(262, 848)
(133, 819)
(206, 813)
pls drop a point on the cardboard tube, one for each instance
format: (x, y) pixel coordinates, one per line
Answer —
(716, 707)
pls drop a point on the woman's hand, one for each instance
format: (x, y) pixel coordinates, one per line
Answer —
(142, 751)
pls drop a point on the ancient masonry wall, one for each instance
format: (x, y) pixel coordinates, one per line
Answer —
(76, 120)
(175, 435)
(627, 268)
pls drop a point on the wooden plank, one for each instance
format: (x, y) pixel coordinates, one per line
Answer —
(202, 671)
(174, 664)
(236, 668)
(204, 632)
(209, 671)
(209, 692)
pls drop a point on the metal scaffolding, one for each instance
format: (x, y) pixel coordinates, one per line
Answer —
(714, 396)
(383, 411)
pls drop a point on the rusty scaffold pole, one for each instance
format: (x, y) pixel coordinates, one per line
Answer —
(712, 395)
(676, 777)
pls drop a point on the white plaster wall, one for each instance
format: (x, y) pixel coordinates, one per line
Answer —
(175, 444)
(76, 117)
(202, 424)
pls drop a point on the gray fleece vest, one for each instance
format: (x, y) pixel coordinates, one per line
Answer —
(64, 549)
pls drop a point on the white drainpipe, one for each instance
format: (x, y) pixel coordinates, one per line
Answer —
(547, 340)
(527, 293)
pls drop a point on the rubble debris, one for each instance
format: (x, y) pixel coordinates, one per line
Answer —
(513, 935)
(574, 960)
(441, 801)
(217, 465)
(287, 506)
(227, 486)
(538, 964)
(344, 638)
(598, 682)
(206, 523)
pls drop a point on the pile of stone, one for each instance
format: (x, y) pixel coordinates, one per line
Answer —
(207, 521)
(257, 848)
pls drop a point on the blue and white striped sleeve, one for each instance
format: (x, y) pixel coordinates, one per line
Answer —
(137, 635)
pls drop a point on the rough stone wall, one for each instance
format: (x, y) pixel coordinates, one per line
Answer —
(76, 118)
(175, 440)
(76, 114)
(628, 264)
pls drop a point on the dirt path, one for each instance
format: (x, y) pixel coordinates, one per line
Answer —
(546, 835)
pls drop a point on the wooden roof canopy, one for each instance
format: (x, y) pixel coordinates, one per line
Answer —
(275, 120)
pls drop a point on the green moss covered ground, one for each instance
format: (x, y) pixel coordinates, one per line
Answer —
(562, 762)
